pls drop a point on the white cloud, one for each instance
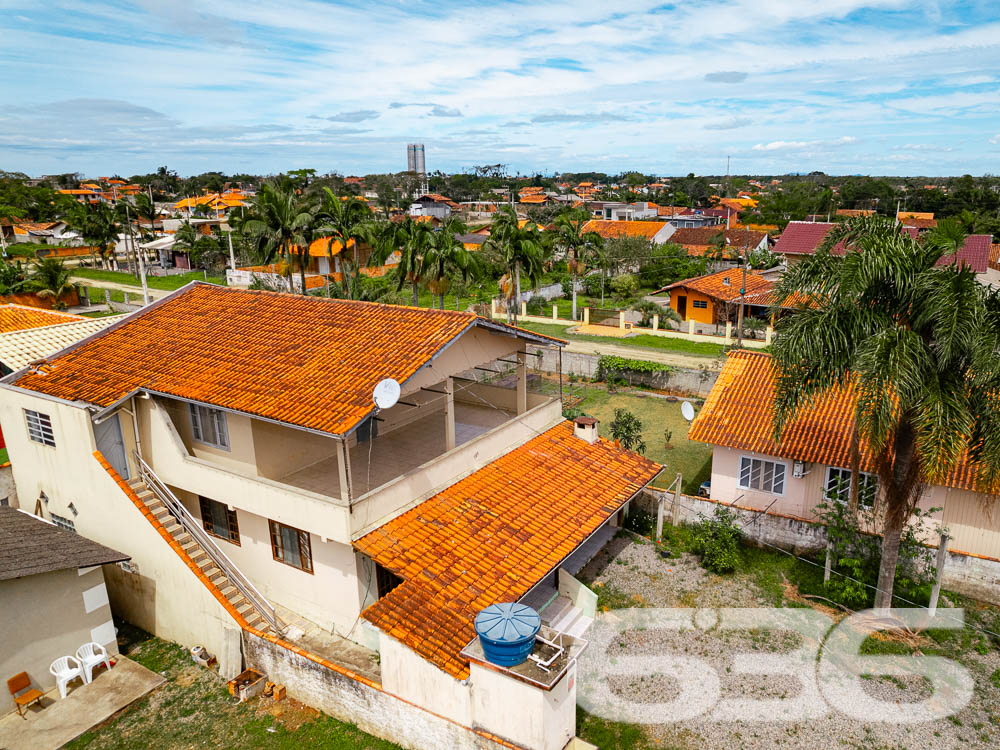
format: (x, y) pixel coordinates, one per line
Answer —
(995, 139)
(781, 146)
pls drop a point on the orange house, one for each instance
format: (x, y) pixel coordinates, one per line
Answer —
(707, 299)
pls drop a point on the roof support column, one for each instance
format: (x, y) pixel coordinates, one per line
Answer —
(344, 467)
(449, 414)
(522, 382)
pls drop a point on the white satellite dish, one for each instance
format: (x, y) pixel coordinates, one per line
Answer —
(687, 411)
(386, 393)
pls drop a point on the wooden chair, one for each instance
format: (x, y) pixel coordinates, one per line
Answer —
(21, 682)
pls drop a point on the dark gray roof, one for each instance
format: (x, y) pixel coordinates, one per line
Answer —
(29, 546)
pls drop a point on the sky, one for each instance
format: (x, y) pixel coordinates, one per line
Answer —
(843, 86)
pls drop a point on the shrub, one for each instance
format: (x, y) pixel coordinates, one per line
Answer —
(536, 306)
(612, 369)
(648, 310)
(592, 284)
(639, 521)
(625, 286)
(717, 541)
(626, 428)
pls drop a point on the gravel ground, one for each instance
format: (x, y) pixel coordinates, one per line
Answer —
(632, 573)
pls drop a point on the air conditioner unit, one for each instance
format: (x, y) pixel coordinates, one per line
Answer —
(798, 469)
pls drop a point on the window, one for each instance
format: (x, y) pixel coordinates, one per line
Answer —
(62, 522)
(757, 474)
(385, 580)
(218, 520)
(838, 486)
(700, 304)
(40, 427)
(291, 546)
(208, 426)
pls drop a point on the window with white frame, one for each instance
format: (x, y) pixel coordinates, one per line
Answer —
(838, 486)
(759, 474)
(40, 427)
(208, 426)
(700, 304)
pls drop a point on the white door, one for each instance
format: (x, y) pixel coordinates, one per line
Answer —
(111, 444)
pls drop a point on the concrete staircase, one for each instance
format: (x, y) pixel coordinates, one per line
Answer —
(562, 615)
(218, 570)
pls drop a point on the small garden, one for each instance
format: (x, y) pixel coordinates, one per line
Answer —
(639, 342)
(194, 709)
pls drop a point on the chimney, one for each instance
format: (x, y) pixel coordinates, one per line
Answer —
(585, 428)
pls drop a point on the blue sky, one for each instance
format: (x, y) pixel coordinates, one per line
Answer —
(843, 86)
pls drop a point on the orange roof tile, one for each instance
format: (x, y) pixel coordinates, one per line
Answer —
(610, 229)
(723, 285)
(495, 534)
(532, 198)
(307, 361)
(738, 414)
(21, 317)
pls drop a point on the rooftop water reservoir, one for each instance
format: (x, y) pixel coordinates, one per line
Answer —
(507, 632)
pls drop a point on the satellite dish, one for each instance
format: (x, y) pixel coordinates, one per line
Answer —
(386, 393)
(687, 411)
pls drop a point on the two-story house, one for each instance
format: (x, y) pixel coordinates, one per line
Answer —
(228, 442)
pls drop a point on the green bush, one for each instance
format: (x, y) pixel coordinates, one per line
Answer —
(592, 285)
(717, 541)
(625, 286)
(626, 428)
(639, 521)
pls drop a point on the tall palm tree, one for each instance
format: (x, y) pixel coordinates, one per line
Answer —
(414, 240)
(50, 279)
(520, 249)
(916, 343)
(275, 226)
(447, 256)
(346, 222)
(96, 224)
(581, 247)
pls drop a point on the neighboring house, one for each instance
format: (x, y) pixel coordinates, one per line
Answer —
(803, 238)
(701, 241)
(812, 461)
(363, 541)
(53, 596)
(656, 232)
(19, 348)
(919, 220)
(687, 217)
(39, 232)
(853, 213)
(629, 211)
(714, 298)
(433, 204)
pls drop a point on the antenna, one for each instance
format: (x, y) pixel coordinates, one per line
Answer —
(386, 393)
(687, 411)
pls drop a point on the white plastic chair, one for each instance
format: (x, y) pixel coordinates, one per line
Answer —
(90, 655)
(64, 669)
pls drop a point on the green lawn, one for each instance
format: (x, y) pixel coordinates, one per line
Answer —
(194, 709)
(693, 460)
(639, 342)
(3, 456)
(154, 282)
(97, 295)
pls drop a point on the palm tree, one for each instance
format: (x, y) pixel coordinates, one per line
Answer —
(275, 226)
(580, 246)
(520, 249)
(50, 279)
(447, 255)
(916, 343)
(346, 222)
(414, 241)
(96, 224)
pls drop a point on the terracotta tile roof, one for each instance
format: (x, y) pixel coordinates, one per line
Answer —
(707, 236)
(532, 198)
(20, 317)
(975, 253)
(307, 361)
(854, 212)
(920, 223)
(723, 285)
(995, 256)
(612, 229)
(492, 536)
(904, 215)
(737, 414)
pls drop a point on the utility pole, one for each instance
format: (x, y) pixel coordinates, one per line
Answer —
(135, 252)
(739, 313)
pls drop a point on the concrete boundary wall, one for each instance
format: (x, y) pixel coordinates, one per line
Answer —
(682, 380)
(972, 575)
(365, 705)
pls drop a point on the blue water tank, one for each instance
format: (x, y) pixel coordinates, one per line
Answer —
(507, 632)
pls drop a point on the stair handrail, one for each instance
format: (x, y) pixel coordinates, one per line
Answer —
(217, 556)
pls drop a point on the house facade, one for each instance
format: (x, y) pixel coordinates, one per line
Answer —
(274, 513)
(812, 462)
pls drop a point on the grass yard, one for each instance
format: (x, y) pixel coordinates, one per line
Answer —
(639, 342)
(693, 460)
(194, 709)
(154, 282)
(4, 458)
(97, 295)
